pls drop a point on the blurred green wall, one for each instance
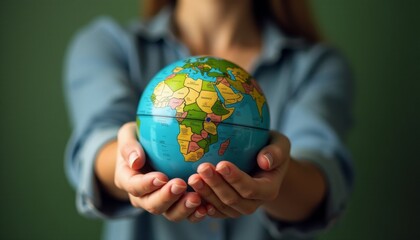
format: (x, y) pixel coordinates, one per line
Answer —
(381, 38)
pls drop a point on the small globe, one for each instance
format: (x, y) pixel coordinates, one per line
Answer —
(202, 109)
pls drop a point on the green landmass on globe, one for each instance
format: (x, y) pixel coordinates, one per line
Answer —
(209, 102)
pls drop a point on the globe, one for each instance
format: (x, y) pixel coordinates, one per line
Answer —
(202, 109)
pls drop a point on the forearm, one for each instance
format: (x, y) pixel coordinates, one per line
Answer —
(302, 191)
(105, 170)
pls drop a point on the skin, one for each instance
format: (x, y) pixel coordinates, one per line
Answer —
(219, 28)
(287, 189)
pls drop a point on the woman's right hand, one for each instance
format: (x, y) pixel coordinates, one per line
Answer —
(152, 191)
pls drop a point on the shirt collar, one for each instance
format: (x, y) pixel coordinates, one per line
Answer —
(275, 41)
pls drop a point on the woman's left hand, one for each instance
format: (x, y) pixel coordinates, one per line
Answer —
(230, 192)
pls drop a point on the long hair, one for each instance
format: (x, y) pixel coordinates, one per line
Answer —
(293, 17)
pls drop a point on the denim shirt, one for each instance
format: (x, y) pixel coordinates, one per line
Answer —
(308, 89)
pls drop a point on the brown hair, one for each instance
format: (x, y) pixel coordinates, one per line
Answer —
(292, 16)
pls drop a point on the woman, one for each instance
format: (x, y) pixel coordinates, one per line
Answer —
(297, 191)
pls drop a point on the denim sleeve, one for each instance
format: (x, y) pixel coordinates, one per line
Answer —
(317, 119)
(100, 99)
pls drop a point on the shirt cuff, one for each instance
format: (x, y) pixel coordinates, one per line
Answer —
(329, 211)
(90, 200)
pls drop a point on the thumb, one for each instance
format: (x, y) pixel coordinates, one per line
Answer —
(275, 153)
(129, 147)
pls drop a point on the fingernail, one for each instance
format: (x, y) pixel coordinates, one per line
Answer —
(177, 189)
(198, 184)
(132, 157)
(269, 159)
(158, 183)
(190, 204)
(211, 211)
(225, 170)
(207, 172)
(197, 214)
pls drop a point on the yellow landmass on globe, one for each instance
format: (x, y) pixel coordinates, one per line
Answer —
(162, 93)
(239, 74)
(210, 128)
(228, 94)
(207, 66)
(231, 110)
(191, 96)
(194, 84)
(181, 93)
(206, 100)
(180, 108)
(194, 156)
(161, 104)
(259, 99)
(166, 92)
(183, 146)
(185, 133)
(236, 84)
(159, 89)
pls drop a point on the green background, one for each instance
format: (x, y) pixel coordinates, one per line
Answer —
(381, 39)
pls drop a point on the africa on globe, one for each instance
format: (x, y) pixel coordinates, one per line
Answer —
(202, 109)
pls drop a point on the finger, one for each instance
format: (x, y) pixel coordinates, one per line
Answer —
(274, 154)
(162, 199)
(123, 173)
(224, 191)
(141, 184)
(213, 212)
(260, 188)
(198, 184)
(129, 147)
(198, 215)
(183, 208)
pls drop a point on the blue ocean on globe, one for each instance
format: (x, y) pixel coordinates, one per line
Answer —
(202, 109)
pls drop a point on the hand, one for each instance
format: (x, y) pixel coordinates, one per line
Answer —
(230, 192)
(152, 191)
